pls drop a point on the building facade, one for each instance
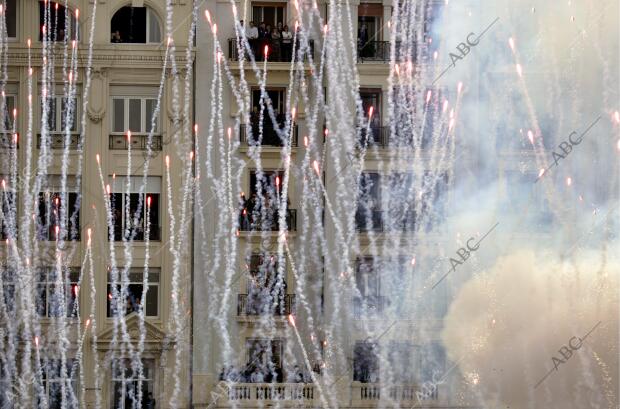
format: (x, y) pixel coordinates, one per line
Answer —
(124, 194)
(321, 304)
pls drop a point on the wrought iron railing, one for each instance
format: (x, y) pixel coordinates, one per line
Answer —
(380, 51)
(248, 305)
(248, 223)
(7, 140)
(138, 142)
(137, 235)
(270, 136)
(277, 50)
(400, 220)
(59, 141)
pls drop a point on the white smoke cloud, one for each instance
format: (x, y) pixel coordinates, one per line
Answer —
(507, 323)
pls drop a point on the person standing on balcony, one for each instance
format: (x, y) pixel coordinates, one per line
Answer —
(287, 44)
(251, 32)
(275, 44)
(257, 376)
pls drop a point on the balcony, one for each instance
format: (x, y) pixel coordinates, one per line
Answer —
(280, 394)
(247, 307)
(369, 306)
(59, 141)
(270, 136)
(367, 220)
(379, 51)
(138, 142)
(246, 224)
(7, 140)
(278, 52)
(368, 394)
(137, 234)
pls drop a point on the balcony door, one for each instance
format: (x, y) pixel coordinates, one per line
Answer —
(366, 362)
(264, 357)
(367, 278)
(269, 13)
(266, 290)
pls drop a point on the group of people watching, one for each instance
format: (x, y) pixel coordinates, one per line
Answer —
(262, 374)
(260, 214)
(279, 40)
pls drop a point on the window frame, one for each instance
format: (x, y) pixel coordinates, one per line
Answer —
(145, 123)
(75, 32)
(136, 271)
(72, 288)
(71, 382)
(118, 187)
(149, 14)
(46, 194)
(148, 362)
(59, 100)
(16, 8)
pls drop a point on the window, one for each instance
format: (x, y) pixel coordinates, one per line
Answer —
(366, 362)
(368, 299)
(265, 358)
(136, 210)
(134, 114)
(399, 201)
(130, 389)
(53, 22)
(59, 120)
(135, 25)
(266, 290)
(60, 388)
(57, 295)
(8, 118)
(134, 292)
(434, 195)
(269, 13)
(11, 18)
(8, 276)
(8, 210)
(401, 359)
(368, 215)
(371, 98)
(369, 20)
(58, 215)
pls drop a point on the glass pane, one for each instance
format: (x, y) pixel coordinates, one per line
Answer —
(51, 113)
(73, 113)
(150, 110)
(119, 115)
(154, 31)
(11, 18)
(135, 115)
(151, 301)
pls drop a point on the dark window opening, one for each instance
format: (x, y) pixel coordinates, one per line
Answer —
(133, 293)
(264, 360)
(135, 25)
(11, 18)
(51, 209)
(366, 362)
(57, 295)
(131, 224)
(53, 22)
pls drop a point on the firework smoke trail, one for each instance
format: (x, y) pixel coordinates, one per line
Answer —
(92, 317)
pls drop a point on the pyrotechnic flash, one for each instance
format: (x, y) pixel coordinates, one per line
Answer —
(316, 167)
(291, 319)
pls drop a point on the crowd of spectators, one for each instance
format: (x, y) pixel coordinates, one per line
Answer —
(278, 39)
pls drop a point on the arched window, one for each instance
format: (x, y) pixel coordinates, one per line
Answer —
(56, 22)
(135, 25)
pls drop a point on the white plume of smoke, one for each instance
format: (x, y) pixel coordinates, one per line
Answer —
(506, 325)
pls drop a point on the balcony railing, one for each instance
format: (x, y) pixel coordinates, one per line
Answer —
(138, 235)
(399, 393)
(375, 220)
(246, 222)
(277, 50)
(58, 141)
(379, 51)
(254, 306)
(7, 140)
(368, 306)
(270, 392)
(138, 142)
(270, 136)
